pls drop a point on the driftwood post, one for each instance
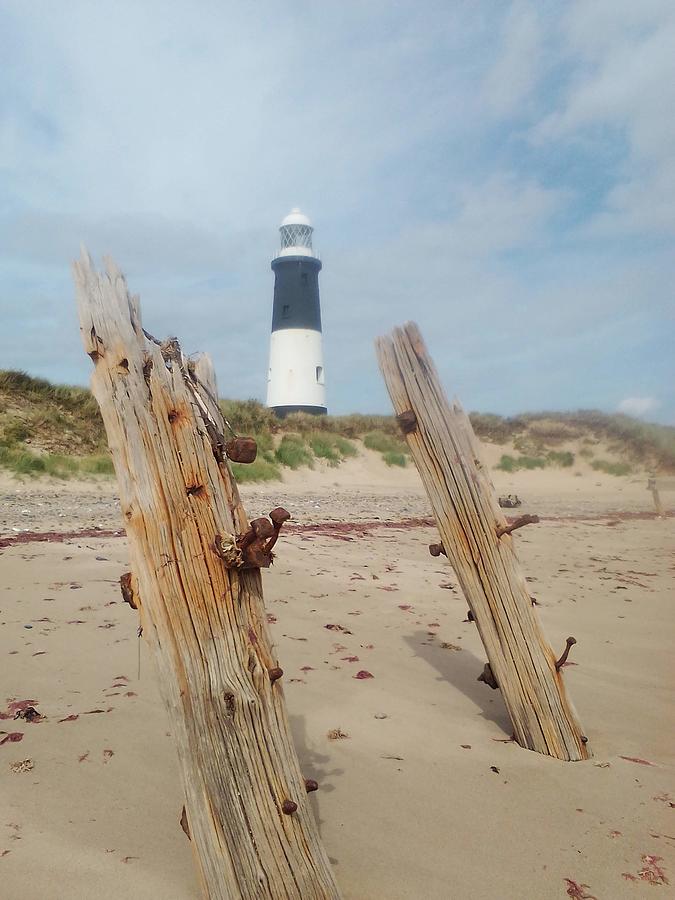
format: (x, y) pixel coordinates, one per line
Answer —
(246, 806)
(477, 541)
(653, 486)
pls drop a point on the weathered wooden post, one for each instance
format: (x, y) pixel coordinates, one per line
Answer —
(477, 540)
(197, 582)
(653, 486)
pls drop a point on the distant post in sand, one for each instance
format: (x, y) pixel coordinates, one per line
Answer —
(196, 581)
(477, 541)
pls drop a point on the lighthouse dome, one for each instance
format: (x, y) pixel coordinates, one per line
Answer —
(295, 234)
(295, 217)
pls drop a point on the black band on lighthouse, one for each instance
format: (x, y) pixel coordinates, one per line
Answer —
(296, 293)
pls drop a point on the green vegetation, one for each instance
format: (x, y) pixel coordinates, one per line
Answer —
(97, 465)
(644, 443)
(352, 426)
(260, 470)
(329, 446)
(265, 443)
(552, 430)
(495, 429)
(25, 462)
(514, 463)
(611, 468)
(51, 419)
(553, 458)
(379, 441)
(344, 447)
(322, 447)
(294, 452)
(394, 451)
(249, 417)
(562, 458)
(57, 430)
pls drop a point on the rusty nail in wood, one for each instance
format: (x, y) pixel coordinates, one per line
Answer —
(311, 785)
(408, 421)
(437, 549)
(241, 449)
(262, 527)
(488, 677)
(584, 739)
(275, 674)
(279, 515)
(288, 807)
(184, 824)
(470, 616)
(127, 590)
(519, 522)
(246, 539)
(566, 652)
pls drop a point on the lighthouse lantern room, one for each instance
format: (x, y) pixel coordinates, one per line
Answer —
(295, 378)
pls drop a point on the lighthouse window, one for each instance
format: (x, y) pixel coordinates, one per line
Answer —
(319, 374)
(285, 311)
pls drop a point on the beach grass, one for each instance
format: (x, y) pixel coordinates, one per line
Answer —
(57, 430)
(611, 468)
(294, 452)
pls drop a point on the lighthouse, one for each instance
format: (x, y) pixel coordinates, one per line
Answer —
(295, 378)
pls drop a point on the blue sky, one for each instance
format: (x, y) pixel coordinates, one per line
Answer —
(502, 173)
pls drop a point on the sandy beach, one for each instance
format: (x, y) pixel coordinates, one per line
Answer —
(423, 795)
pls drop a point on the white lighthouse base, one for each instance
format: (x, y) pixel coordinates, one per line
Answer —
(295, 377)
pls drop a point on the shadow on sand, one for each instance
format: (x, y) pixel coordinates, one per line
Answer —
(461, 668)
(313, 765)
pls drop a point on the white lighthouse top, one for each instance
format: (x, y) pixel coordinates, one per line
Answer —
(295, 232)
(295, 217)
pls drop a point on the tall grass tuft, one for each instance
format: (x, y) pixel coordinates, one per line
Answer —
(611, 468)
(331, 447)
(513, 463)
(394, 451)
(26, 463)
(97, 465)
(392, 458)
(294, 452)
(562, 458)
(345, 447)
(384, 443)
(351, 426)
(259, 470)
(249, 416)
(495, 429)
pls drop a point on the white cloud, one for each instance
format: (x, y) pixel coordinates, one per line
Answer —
(620, 94)
(638, 406)
(514, 75)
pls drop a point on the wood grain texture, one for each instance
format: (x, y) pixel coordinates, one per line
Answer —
(449, 459)
(206, 624)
